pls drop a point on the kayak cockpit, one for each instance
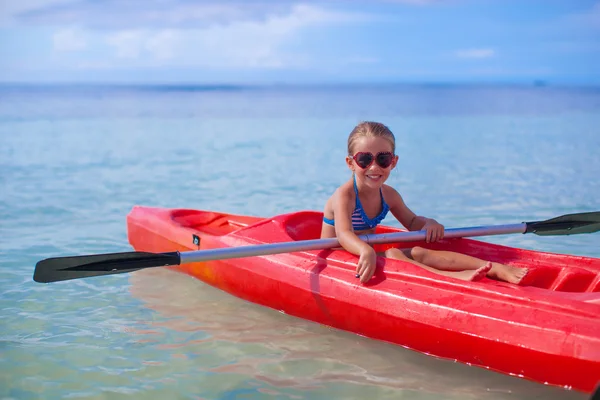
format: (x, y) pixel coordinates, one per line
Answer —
(212, 223)
(555, 272)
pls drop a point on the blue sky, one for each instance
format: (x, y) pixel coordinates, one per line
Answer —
(288, 41)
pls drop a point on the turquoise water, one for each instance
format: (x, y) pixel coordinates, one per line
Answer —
(74, 160)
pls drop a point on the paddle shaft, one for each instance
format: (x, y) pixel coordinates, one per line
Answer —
(319, 244)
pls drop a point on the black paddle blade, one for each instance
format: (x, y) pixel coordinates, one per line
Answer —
(65, 268)
(596, 394)
(570, 224)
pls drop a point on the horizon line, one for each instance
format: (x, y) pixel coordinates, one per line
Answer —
(258, 85)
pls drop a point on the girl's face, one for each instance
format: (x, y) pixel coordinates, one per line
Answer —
(381, 159)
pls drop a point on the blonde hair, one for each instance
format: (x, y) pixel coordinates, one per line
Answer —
(370, 129)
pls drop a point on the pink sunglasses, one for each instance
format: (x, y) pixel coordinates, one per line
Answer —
(364, 160)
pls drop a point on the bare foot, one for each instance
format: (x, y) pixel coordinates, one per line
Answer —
(507, 273)
(473, 274)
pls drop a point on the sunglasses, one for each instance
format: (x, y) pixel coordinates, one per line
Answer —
(364, 160)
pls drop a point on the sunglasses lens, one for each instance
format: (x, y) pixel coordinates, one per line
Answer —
(384, 160)
(364, 159)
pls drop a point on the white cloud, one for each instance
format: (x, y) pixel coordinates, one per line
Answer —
(164, 44)
(233, 45)
(128, 44)
(69, 40)
(257, 44)
(147, 14)
(476, 53)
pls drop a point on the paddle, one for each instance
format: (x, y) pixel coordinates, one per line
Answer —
(65, 268)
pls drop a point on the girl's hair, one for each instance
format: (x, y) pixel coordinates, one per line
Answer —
(370, 129)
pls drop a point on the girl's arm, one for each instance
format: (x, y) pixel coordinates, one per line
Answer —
(400, 210)
(342, 209)
(410, 220)
(343, 205)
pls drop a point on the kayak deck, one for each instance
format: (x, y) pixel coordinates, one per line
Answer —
(546, 329)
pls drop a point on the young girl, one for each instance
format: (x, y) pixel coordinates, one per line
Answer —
(360, 204)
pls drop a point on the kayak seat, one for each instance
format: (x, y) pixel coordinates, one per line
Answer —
(303, 225)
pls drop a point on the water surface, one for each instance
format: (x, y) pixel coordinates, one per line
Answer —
(75, 160)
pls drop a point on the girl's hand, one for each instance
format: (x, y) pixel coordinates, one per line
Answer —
(366, 264)
(435, 230)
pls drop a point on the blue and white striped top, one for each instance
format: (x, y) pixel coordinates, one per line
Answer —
(360, 220)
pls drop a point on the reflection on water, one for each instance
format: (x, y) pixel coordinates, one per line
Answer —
(294, 358)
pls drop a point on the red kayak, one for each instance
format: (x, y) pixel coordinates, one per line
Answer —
(546, 329)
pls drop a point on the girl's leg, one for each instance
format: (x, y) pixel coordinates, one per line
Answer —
(451, 261)
(473, 274)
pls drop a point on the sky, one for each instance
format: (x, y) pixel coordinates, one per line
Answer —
(290, 42)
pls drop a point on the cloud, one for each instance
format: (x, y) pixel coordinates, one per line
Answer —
(240, 44)
(477, 53)
(128, 44)
(163, 44)
(69, 40)
(138, 44)
(138, 14)
(184, 33)
(152, 14)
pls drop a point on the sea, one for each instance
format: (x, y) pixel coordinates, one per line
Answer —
(75, 159)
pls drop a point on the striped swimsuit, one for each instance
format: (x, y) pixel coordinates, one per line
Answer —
(360, 220)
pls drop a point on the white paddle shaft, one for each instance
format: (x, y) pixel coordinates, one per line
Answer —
(317, 244)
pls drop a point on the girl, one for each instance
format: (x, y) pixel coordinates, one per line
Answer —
(360, 204)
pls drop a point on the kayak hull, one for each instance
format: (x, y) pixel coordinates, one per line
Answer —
(547, 329)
